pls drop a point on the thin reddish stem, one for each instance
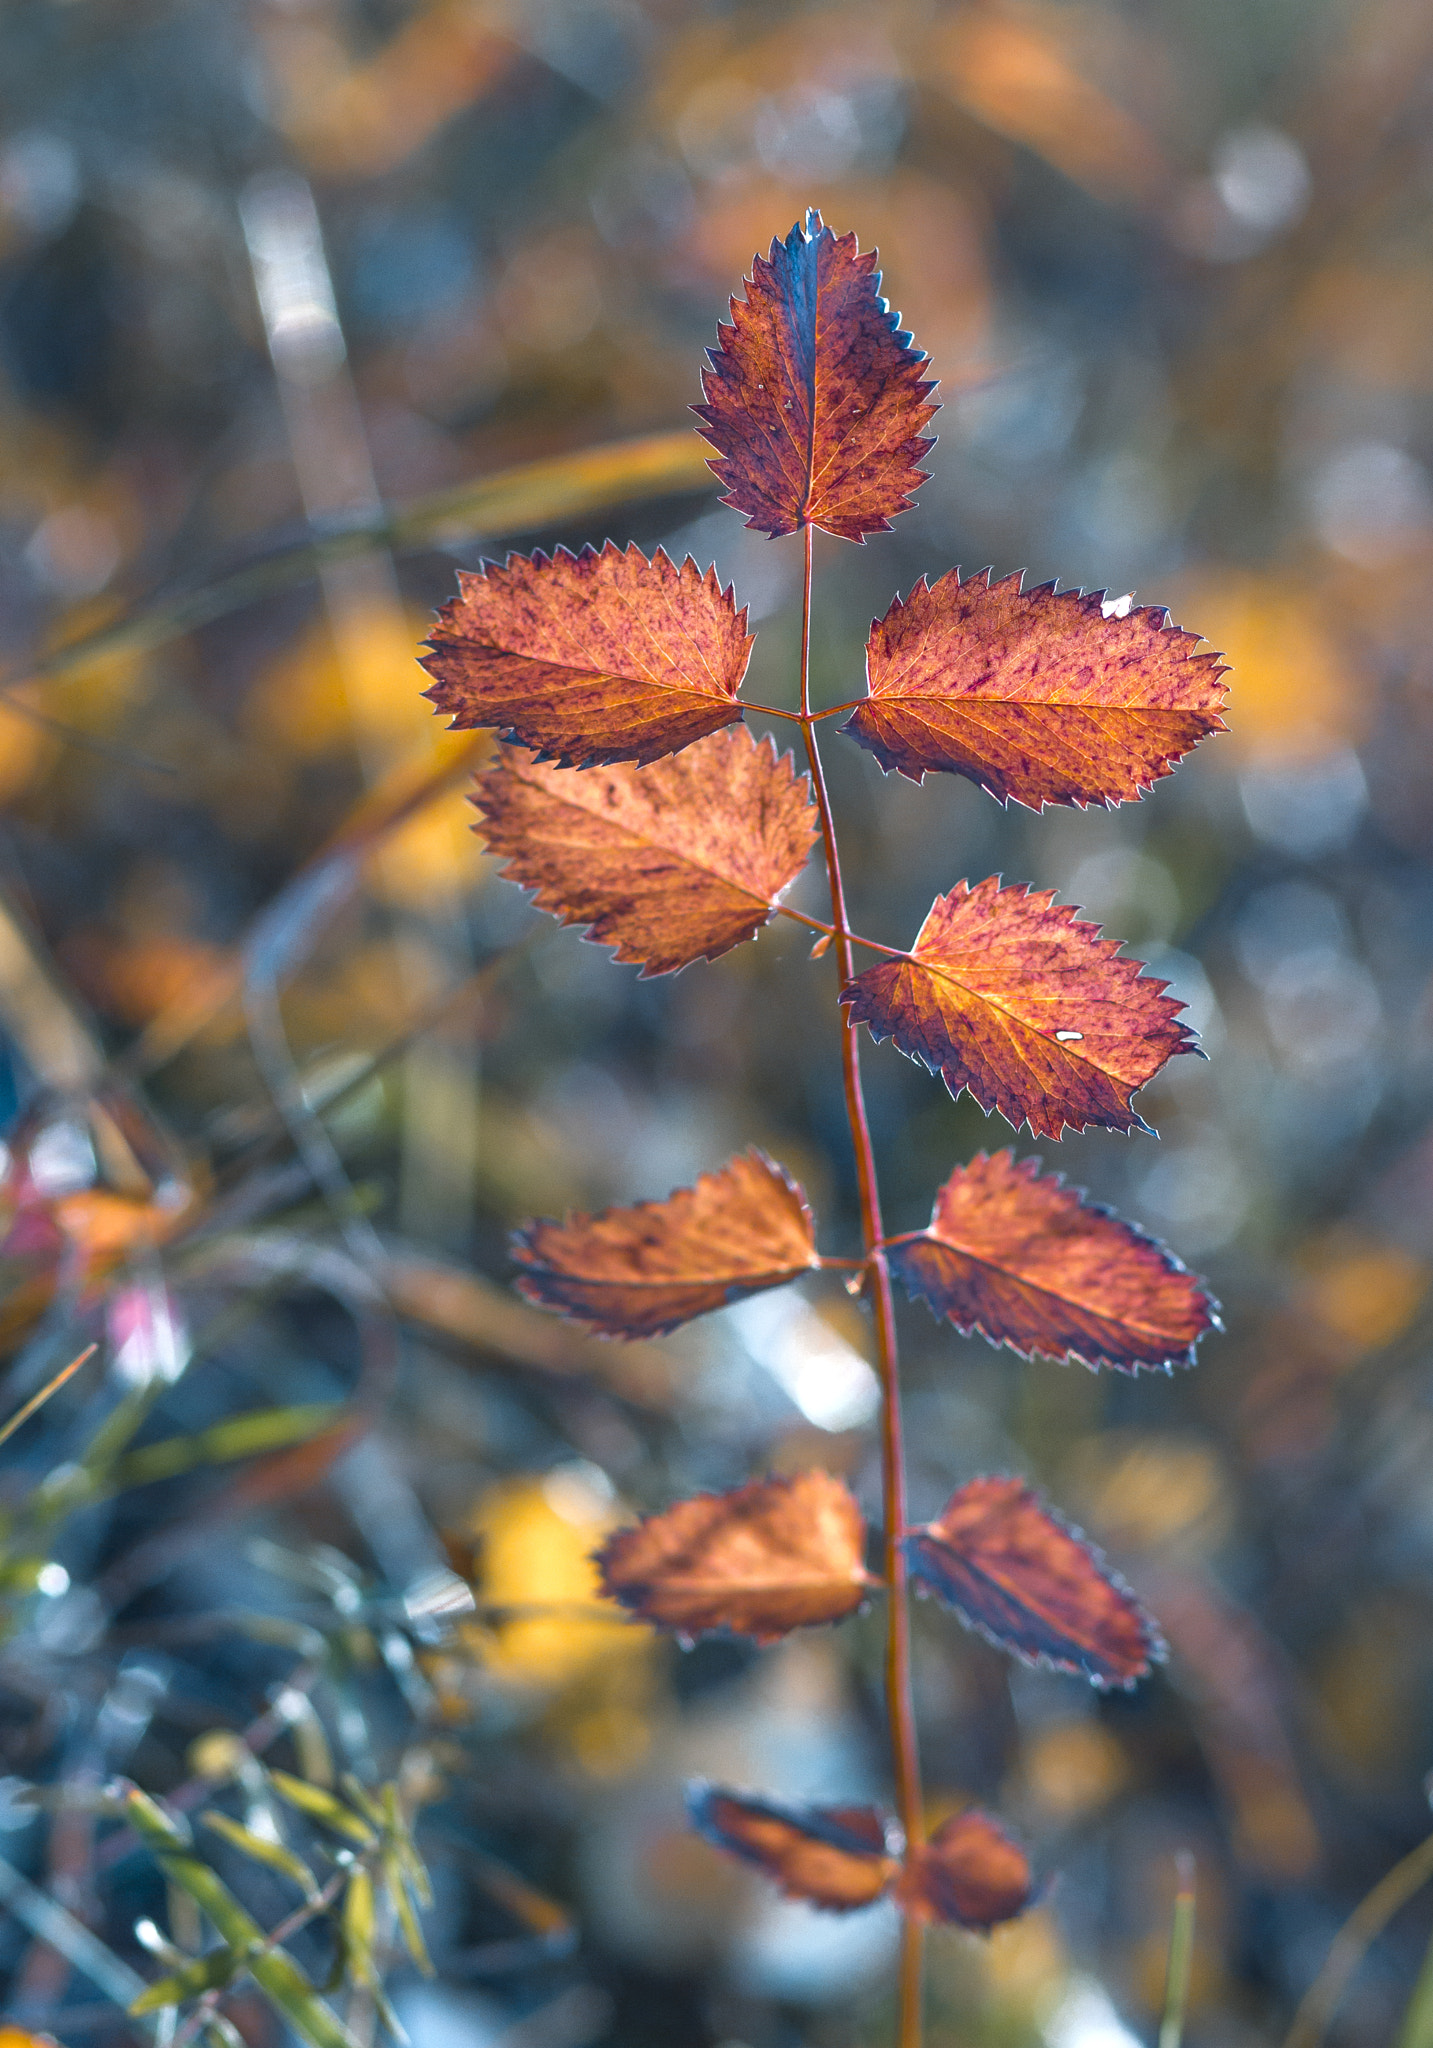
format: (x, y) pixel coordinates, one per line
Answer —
(900, 1704)
(800, 718)
(817, 924)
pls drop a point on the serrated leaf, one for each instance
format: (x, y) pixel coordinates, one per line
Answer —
(815, 398)
(837, 1857)
(769, 1557)
(1031, 1584)
(1010, 995)
(969, 1874)
(1026, 1261)
(601, 656)
(322, 1806)
(274, 1854)
(677, 862)
(1035, 695)
(641, 1271)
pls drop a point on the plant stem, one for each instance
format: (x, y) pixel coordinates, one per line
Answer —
(900, 1705)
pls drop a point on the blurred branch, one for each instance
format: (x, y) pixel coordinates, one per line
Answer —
(51, 1923)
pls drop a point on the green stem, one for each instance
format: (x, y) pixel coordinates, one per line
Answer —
(1363, 1926)
(900, 1704)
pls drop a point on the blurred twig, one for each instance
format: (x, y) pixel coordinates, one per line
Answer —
(529, 495)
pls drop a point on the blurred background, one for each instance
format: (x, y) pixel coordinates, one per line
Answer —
(303, 306)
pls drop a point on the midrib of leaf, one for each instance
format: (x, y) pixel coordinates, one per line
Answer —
(1009, 1018)
(989, 1265)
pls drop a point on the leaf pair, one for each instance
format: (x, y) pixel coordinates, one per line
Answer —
(969, 1874)
(781, 1554)
(1011, 1253)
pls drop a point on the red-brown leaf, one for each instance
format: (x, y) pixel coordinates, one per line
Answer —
(1031, 1584)
(1018, 1256)
(591, 657)
(838, 1857)
(969, 1874)
(640, 1271)
(676, 862)
(771, 1556)
(1035, 695)
(1011, 996)
(815, 398)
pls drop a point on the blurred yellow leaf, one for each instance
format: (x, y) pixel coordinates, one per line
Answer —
(1073, 1768)
(1013, 68)
(1295, 696)
(1365, 1293)
(537, 1537)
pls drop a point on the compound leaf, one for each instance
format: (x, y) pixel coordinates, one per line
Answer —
(838, 1857)
(969, 1874)
(1011, 996)
(598, 656)
(1018, 1256)
(815, 399)
(641, 1271)
(668, 864)
(1035, 695)
(1031, 1584)
(769, 1557)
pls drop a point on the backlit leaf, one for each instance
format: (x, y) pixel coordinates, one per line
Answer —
(672, 863)
(771, 1556)
(1010, 995)
(969, 1874)
(591, 657)
(834, 1856)
(1018, 1256)
(1034, 695)
(1031, 1584)
(815, 398)
(640, 1271)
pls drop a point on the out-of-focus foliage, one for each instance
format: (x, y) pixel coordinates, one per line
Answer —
(303, 306)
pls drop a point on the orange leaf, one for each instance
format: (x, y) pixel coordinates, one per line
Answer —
(815, 399)
(673, 863)
(1034, 695)
(769, 1557)
(1018, 1256)
(591, 657)
(1032, 1585)
(969, 1873)
(641, 1271)
(1016, 999)
(838, 1857)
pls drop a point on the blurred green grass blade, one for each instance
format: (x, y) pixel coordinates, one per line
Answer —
(1362, 1927)
(1417, 2028)
(275, 1972)
(531, 494)
(322, 1806)
(208, 1973)
(358, 1923)
(1181, 1956)
(263, 1429)
(274, 1854)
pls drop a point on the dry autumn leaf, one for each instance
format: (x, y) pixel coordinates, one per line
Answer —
(1018, 1256)
(1013, 997)
(1032, 1585)
(676, 862)
(594, 657)
(641, 1271)
(769, 1557)
(815, 398)
(1035, 695)
(969, 1874)
(838, 1857)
